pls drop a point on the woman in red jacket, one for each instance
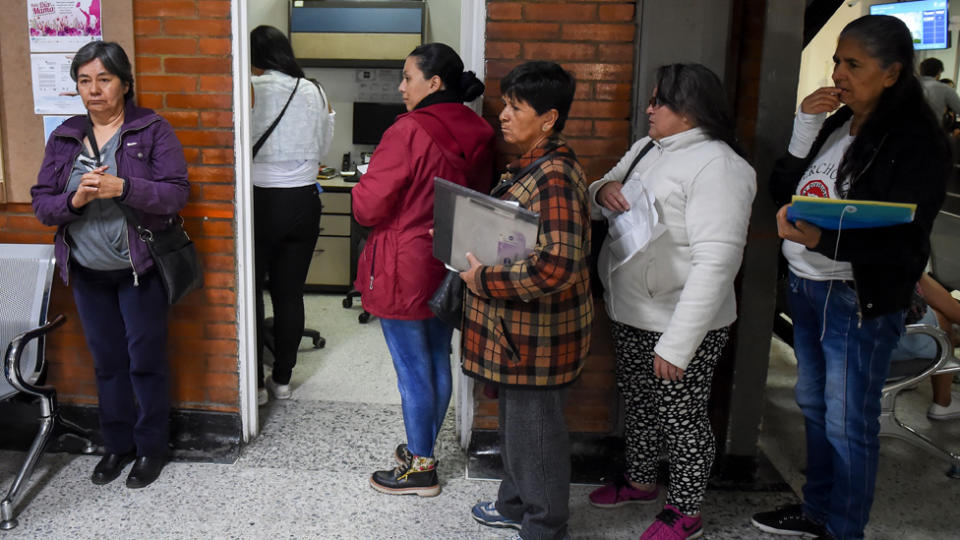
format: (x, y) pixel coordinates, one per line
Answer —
(397, 273)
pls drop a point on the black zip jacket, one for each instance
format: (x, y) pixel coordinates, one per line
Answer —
(909, 164)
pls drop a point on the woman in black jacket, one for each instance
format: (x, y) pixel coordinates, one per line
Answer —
(849, 288)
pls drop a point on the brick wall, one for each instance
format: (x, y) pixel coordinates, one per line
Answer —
(593, 39)
(183, 71)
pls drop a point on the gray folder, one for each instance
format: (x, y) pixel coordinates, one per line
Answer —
(495, 231)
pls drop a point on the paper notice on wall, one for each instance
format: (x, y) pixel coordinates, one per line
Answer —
(54, 92)
(51, 123)
(63, 25)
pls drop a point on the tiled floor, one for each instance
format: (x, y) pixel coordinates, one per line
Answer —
(306, 475)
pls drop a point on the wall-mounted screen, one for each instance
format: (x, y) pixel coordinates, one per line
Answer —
(370, 120)
(926, 19)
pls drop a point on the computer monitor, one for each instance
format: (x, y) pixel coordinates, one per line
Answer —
(371, 120)
(927, 20)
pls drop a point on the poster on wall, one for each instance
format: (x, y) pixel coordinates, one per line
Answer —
(54, 92)
(62, 25)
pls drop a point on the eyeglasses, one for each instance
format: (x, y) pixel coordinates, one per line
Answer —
(655, 102)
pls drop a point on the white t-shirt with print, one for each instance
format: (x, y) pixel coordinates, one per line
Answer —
(819, 180)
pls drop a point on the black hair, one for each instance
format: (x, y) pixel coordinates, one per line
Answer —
(270, 49)
(948, 82)
(113, 58)
(695, 92)
(542, 85)
(931, 67)
(887, 40)
(441, 60)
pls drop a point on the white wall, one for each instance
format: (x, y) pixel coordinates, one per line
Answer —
(816, 64)
(443, 25)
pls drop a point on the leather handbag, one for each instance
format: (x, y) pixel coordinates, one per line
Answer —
(599, 229)
(174, 255)
(447, 301)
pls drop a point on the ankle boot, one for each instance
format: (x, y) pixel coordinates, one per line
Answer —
(419, 477)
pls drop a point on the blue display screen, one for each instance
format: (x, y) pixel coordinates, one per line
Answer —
(926, 19)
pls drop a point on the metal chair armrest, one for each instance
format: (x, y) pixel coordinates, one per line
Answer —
(11, 360)
(944, 356)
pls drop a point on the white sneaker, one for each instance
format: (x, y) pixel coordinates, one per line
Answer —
(951, 411)
(262, 396)
(279, 391)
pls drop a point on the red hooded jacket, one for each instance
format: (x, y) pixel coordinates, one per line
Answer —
(397, 273)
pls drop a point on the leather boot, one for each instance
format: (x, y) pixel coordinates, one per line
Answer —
(145, 470)
(109, 467)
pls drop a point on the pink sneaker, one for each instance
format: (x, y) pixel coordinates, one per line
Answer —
(672, 525)
(620, 492)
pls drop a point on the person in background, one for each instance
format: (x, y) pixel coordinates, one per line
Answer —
(849, 288)
(396, 272)
(935, 306)
(286, 197)
(116, 154)
(527, 325)
(671, 304)
(943, 99)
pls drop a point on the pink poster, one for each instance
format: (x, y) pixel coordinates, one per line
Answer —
(63, 25)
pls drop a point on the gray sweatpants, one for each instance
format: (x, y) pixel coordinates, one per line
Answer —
(536, 461)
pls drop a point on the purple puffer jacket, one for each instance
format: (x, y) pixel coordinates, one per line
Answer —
(149, 158)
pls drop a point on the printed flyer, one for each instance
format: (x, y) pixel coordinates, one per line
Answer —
(63, 25)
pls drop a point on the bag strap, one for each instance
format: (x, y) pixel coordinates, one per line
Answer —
(637, 159)
(263, 138)
(505, 185)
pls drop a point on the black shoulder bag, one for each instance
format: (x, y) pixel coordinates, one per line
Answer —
(447, 301)
(263, 138)
(599, 229)
(174, 254)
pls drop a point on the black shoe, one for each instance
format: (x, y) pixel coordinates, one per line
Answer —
(402, 455)
(144, 471)
(109, 467)
(788, 520)
(404, 481)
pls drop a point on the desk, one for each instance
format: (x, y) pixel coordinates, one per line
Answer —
(334, 263)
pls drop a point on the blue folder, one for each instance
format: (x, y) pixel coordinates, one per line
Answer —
(833, 213)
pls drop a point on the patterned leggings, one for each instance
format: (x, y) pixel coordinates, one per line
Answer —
(661, 412)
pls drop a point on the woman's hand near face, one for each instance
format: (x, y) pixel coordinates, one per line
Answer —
(800, 231)
(97, 184)
(610, 197)
(665, 370)
(822, 100)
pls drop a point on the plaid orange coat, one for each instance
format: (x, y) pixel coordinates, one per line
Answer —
(531, 324)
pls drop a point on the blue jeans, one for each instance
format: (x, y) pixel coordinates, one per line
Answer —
(421, 356)
(839, 379)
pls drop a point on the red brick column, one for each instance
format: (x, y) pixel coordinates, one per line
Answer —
(593, 39)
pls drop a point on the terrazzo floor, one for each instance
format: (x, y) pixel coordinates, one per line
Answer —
(305, 476)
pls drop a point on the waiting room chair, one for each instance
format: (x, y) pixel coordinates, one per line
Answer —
(909, 373)
(26, 276)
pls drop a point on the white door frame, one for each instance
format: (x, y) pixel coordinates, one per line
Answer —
(473, 16)
(243, 214)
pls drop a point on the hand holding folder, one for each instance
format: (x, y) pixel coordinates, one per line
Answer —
(495, 231)
(835, 214)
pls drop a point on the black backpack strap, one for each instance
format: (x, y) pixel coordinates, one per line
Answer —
(263, 138)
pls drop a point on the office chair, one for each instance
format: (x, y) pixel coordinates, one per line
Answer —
(26, 276)
(318, 342)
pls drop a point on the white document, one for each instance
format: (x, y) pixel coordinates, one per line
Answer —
(630, 232)
(54, 92)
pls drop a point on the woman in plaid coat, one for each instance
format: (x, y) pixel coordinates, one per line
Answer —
(527, 325)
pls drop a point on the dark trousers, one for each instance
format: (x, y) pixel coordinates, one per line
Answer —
(126, 329)
(286, 225)
(535, 448)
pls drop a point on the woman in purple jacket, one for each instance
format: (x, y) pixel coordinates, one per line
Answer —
(117, 154)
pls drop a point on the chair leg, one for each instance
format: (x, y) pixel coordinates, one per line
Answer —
(8, 506)
(891, 426)
(63, 427)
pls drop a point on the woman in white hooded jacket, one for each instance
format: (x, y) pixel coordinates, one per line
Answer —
(679, 206)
